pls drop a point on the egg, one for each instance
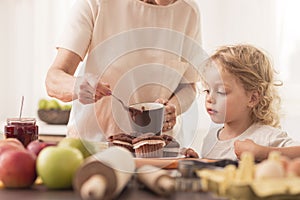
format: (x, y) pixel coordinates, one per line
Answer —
(293, 168)
(269, 169)
(285, 162)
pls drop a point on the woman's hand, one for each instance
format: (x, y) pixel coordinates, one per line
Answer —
(90, 89)
(170, 114)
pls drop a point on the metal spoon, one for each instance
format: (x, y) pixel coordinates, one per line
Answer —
(124, 106)
(21, 109)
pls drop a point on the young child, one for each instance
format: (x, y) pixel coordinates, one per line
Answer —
(241, 97)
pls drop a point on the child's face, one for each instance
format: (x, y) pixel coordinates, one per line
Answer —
(226, 99)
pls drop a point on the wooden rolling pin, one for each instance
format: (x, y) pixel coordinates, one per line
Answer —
(156, 179)
(105, 174)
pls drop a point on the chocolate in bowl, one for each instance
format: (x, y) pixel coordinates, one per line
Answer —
(146, 117)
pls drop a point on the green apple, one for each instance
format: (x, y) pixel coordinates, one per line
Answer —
(53, 105)
(87, 148)
(43, 104)
(66, 107)
(57, 165)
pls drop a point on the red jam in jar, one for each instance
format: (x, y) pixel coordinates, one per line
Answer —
(24, 129)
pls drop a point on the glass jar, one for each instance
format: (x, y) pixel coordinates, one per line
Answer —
(23, 129)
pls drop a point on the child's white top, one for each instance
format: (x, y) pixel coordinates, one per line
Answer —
(264, 135)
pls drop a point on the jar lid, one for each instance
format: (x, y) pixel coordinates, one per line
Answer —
(27, 120)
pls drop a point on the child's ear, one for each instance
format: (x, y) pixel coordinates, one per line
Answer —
(254, 98)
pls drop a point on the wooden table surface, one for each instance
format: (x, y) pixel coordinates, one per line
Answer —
(133, 191)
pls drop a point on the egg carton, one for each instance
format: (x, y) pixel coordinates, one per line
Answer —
(215, 181)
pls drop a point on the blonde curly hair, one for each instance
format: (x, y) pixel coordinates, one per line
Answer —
(254, 70)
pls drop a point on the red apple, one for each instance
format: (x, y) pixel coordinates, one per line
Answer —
(13, 141)
(17, 168)
(37, 145)
(9, 146)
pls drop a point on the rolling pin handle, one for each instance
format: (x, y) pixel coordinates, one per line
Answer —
(94, 188)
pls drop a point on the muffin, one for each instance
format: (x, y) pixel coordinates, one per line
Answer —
(172, 146)
(122, 140)
(148, 145)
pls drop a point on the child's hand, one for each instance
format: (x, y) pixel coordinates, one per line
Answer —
(249, 146)
(189, 153)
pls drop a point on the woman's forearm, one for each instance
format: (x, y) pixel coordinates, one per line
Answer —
(183, 97)
(60, 81)
(60, 85)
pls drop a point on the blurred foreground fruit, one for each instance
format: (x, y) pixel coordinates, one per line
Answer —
(37, 145)
(85, 147)
(57, 165)
(17, 168)
(14, 141)
(4, 147)
(10, 144)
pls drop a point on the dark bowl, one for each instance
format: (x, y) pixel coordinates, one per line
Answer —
(54, 116)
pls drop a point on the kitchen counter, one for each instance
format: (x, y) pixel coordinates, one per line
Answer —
(49, 132)
(50, 129)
